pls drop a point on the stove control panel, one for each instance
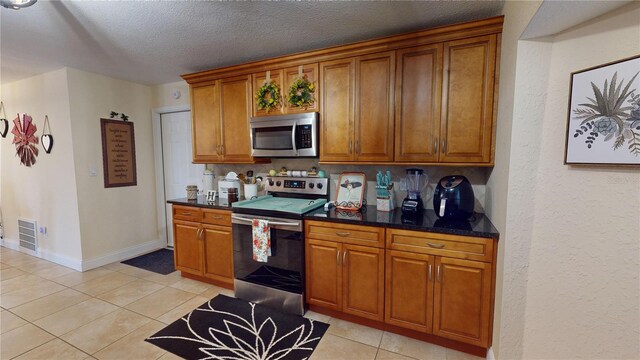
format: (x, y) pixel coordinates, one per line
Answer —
(298, 185)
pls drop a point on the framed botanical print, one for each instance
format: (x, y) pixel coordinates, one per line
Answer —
(350, 190)
(603, 125)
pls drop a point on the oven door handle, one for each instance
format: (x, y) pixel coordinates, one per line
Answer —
(270, 222)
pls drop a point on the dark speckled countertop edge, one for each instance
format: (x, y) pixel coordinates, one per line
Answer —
(200, 202)
(481, 226)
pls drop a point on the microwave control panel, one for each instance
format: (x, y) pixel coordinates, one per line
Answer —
(304, 138)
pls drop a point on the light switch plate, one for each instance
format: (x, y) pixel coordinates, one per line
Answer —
(93, 171)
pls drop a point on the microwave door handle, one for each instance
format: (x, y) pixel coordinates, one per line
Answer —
(293, 138)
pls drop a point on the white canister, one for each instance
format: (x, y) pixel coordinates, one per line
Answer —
(207, 181)
(250, 191)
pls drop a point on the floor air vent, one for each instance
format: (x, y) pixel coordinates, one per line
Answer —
(27, 234)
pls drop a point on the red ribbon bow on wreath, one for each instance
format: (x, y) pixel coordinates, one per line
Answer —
(25, 139)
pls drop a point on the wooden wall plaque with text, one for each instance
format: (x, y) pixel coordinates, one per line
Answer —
(118, 153)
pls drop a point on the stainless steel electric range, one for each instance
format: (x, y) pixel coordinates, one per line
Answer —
(280, 281)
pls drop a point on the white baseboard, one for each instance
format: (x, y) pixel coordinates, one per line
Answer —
(490, 354)
(84, 265)
(72, 263)
(123, 254)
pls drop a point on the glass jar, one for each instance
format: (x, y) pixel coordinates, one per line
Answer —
(232, 195)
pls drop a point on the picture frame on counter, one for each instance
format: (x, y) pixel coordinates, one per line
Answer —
(350, 190)
(603, 121)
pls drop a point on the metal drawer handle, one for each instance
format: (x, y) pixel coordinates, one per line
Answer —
(185, 213)
(216, 217)
(437, 246)
(343, 234)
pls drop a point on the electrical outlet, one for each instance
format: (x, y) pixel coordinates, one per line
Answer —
(93, 171)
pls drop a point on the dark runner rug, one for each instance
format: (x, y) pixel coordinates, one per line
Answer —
(229, 328)
(160, 261)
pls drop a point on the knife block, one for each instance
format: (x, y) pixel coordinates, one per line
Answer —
(385, 203)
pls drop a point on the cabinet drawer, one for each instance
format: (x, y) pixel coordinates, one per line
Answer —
(462, 247)
(187, 213)
(343, 233)
(216, 217)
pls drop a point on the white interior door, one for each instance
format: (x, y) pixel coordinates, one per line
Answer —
(176, 158)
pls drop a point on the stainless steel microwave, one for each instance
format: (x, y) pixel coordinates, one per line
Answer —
(294, 135)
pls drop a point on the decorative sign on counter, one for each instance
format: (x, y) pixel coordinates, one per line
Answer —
(118, 153)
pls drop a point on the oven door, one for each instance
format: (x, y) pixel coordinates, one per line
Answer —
(284, 269)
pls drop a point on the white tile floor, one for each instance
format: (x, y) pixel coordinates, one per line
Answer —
(51, 312)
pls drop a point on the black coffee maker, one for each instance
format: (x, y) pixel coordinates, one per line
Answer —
(416, 182)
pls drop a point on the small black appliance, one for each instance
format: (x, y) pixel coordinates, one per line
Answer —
(453, 198)
(416, 182)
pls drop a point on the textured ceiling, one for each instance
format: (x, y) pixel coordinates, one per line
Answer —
(155, 42)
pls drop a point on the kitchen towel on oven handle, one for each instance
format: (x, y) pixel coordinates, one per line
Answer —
(261, 240)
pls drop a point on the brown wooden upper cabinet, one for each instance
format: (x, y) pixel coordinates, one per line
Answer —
(205, 122)
(292, 74)
(357, 97)
(467, 100)
(418, 94)
(444, 102)
(284, 78)
(220, 112)
(258, 81)
(421, 98)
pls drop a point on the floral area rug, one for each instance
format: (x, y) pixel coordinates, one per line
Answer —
(228, 328)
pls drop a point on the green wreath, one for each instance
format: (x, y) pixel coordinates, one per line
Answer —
(268, 96)
(301, 93)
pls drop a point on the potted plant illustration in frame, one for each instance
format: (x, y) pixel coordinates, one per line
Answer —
(604, 115)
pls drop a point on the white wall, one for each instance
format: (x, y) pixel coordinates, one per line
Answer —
(517, 17)
(583, 290)
(163, 94)
(115, 222)
(570, 245)
(45, 192)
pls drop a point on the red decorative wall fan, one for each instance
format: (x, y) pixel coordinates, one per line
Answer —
(25, 139)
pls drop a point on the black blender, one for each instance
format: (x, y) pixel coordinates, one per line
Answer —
(416, 182)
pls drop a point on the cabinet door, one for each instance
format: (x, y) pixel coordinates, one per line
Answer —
(409, 290)
(324, 275)
(188, 247)
(363, 281)
(218, 250)
(462, 300)
(418, 97)
(375, 76)
(235, 94)
(337, 89)
(467, 99)
(205, 122)
(258, 81)
(292, 74)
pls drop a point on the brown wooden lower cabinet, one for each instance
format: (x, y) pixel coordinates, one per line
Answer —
(204, 249)
(432, 287)
(409, 290)
(188, 248)
(346, 278)
(462, 300)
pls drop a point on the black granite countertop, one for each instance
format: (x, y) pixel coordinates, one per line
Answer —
(202, 203)
(479, 225)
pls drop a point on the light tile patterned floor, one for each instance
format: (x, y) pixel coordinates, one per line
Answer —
(52, 312)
